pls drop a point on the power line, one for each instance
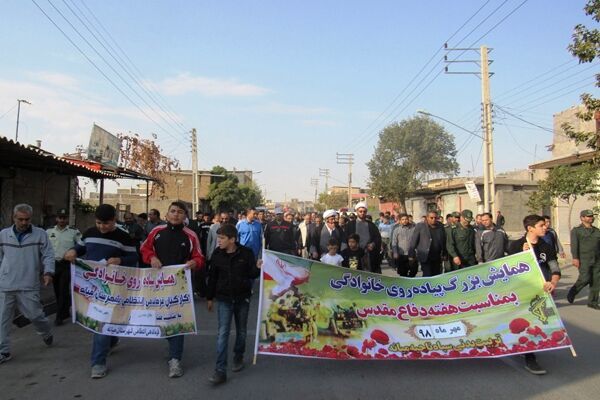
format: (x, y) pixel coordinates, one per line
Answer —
(139, 76)
(109, 65)
(96, 66)
(366, 130)
(9, 110)
(440, 72)
(522, 119)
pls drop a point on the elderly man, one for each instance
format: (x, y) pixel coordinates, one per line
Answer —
(323, 233)
(370, 238)
(25, 252)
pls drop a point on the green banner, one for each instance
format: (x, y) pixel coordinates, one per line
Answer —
(309, 309)
(132, 302)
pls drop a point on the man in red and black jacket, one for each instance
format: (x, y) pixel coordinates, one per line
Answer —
(173, 244)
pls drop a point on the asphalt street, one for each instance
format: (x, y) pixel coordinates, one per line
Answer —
(138, 369)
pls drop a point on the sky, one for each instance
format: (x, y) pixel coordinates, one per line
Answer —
(281, 87)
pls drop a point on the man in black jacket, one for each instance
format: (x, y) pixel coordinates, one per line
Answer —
(428, 245)
(319, 240)
(280, 235)
(370, 238)
(232, 270)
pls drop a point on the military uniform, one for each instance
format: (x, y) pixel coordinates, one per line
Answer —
(62, 240)
(460, 242)
(448, 264)
(585, 246)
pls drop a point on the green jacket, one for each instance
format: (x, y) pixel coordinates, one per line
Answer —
(460, 242)
(585, 244)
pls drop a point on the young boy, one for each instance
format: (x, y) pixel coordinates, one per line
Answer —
(107, 242)
(535, 227)
(232, 270)
(173, 244)
(353, 254)
(332, 257)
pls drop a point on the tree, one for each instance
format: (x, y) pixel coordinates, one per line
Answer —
(225, 192)
(144, 156)
(566, 183)
(586, 47)
(405, 153)
(333, 200)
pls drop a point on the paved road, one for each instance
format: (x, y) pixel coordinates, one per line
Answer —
(138, 369)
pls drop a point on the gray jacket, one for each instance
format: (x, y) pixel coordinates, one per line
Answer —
(401, 235)
(490, 244)
(211, 240)
(422, 241)
(21, 264)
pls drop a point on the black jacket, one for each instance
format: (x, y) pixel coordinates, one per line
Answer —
(280, 236)
(230, 275)
(375, 235)
(422, 240)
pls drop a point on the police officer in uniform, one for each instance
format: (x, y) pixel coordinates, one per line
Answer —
(62, 239)
(585, 248)
(460, 243)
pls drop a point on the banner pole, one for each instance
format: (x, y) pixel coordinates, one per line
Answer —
(259, 313)
(573, 351)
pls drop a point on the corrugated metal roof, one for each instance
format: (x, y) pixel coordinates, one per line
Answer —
(14, 154)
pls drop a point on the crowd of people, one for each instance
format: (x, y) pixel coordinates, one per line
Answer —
(231, 246)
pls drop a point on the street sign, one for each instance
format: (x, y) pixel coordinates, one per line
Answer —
(472, 190)
(104, 147)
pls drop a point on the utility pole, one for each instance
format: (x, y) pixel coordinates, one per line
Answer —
(315, 182)
(194, 174)
(19, 101)
(347, 159)
(324, 172)
(489, 176)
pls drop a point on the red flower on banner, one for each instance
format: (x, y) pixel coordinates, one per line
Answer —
(380, 336)
(518, 325)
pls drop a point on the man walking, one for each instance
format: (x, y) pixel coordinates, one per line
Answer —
(25, 253)
(105, 241)
(62, 238)
(491, 243)
(250, 233)
(304, 227)
(153, 221)
(585, 248)
(324, 233)
(460, 242)
(232, 271)
(173, 244)
(428, 245)
(280, 235)
(401, 236)
(370, 238)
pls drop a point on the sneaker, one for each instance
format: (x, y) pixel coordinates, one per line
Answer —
(4, 357)
(594, 306)
(175, 369)
(571, 295)
(532, 366)
(99, 371)
(218, 378)
(238, 364)
(49, 339)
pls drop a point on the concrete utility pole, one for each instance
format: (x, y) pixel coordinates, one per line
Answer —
(324, 172)
(315, 182)
(489, 175)
(347, 159)
(18, 115)
(194, 174)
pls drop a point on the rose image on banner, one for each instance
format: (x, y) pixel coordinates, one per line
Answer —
(132, 302)
(310, 309)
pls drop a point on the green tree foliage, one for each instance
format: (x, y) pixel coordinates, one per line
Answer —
(333, 200)
(586, 47)
(405, 152)
(566, 183)
(226, 193)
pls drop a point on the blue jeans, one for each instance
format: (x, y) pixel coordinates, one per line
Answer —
(239, 311)
(101, 347)
(175, 347)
